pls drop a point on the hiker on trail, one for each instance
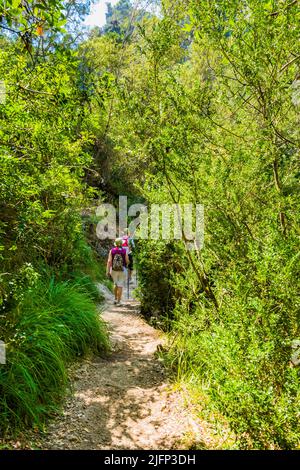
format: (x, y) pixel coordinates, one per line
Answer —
(128, 244)
(116, 268)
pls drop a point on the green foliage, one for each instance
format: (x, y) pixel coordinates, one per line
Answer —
(47, 269)
(25, 18)
(245, 372)
(55, 323)
(87, 285)
(200, 106)
(216, 123)
(155, 286)
(122, 18)
(44, 139)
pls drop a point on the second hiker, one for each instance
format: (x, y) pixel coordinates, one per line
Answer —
(116, 268)
(128, 244)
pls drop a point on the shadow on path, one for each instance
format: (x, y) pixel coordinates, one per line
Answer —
(122, 401)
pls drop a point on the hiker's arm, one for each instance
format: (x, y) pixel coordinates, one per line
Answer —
(127, 259)
(109, 261)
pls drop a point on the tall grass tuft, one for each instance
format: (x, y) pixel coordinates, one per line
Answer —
(55, 323)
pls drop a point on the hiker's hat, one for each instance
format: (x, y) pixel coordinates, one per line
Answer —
(118, 242)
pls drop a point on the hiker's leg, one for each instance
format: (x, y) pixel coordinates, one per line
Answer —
(119, 294)
(116, 292)
(120, 281)
(114, 276)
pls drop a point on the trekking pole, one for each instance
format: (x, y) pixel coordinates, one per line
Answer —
(128, 283)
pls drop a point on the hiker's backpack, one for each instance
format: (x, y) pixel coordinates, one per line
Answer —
(117, 264)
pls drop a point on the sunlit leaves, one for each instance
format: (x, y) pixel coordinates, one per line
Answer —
(30, 15)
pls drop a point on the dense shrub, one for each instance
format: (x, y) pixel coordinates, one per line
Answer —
(240, 354)
(55, 322)
(216, 122)
(155, 283)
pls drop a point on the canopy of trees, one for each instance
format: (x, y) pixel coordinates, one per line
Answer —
(196, 104)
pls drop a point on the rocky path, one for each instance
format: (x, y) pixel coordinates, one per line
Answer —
(123, 401)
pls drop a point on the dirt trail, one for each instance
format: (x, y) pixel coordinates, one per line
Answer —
(122, 401)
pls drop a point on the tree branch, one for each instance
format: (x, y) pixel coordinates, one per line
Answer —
(276, 13)
(289, 63)
(34, 91)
